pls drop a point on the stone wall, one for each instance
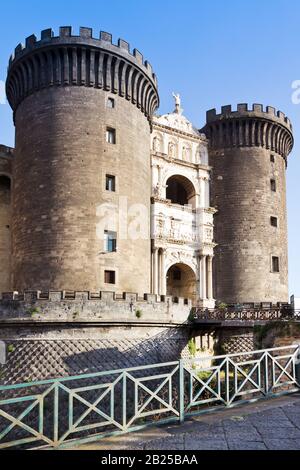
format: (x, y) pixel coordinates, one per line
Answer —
(5, 217)
(62, 112)
(235, 340)
(35, 353)
(52, 334)
(101, 308)
(277, 334)
(59, 220)
(63, 333)
(249, 148)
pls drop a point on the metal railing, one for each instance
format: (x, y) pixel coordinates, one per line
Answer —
(72, 410)
(244, 314)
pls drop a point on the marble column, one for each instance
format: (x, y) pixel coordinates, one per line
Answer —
(155, 271)
(199, 279)
(203, 283)
(159, 272)
(202, 196)
(209, 278)
(163, 280)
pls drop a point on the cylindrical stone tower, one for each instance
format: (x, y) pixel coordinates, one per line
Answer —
(248, 153)
(82, 110)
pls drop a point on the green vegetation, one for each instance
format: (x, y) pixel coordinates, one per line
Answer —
(222, 306)
(34, 311)
(10, 348)
(192, 347)
(138, 313)
(280, 329)
(204, 375)
(191, 316)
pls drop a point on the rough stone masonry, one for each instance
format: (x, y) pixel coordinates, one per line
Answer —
(83, 110)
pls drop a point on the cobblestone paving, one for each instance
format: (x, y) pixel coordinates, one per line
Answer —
(271, 424)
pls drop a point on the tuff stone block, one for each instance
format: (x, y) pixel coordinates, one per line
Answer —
(123, 45)
(242, 107)
(226, 109)
(138, 56)
(130, 296)
(85, 32)
(107, 37)
(46, 34)
(65, 31)
(30, 41)
(19, 49)
(258, 108)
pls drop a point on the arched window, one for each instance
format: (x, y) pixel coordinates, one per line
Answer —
(180, 190)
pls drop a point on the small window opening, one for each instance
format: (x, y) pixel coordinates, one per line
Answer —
(110, 277)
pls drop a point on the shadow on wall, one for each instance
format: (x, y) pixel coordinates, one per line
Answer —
(30, 360)
(163, 347)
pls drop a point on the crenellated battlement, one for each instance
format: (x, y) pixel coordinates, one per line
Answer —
(246, 110)
(81, 60)
(250, 126)
(106, 296)
(85, 36)
(6, 152)
(6, 164)
(65, 307)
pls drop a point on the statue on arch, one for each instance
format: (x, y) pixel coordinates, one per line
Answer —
(177, 98)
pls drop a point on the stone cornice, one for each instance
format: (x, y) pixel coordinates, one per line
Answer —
(177, 161)
(170, 130)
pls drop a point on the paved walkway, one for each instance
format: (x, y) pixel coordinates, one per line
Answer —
(269, 424)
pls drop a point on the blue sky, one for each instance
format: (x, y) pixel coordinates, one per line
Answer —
(213, 53)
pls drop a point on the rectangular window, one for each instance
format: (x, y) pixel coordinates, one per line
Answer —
(273, 185)
(110, 135)
(272, 158)
(275, 264)
(110, 103)
(110, 240)
(110, 183)
(109, 277)
(274, 221)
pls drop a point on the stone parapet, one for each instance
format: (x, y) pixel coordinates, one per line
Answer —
(81, 60)
(250, 127)
(87, 307)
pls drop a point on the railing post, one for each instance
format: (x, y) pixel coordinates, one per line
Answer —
(227, 383)
(266, 373)
(181, 391)
(124, 404)
(297, 366)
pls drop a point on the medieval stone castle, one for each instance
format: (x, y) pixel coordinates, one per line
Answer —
(199, 215)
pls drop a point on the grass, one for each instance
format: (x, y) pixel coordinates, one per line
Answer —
(34, 311)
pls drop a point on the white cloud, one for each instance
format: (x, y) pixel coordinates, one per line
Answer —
(296, 93)
(2, 92)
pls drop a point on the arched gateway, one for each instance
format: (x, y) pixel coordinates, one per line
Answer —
(181, 282)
